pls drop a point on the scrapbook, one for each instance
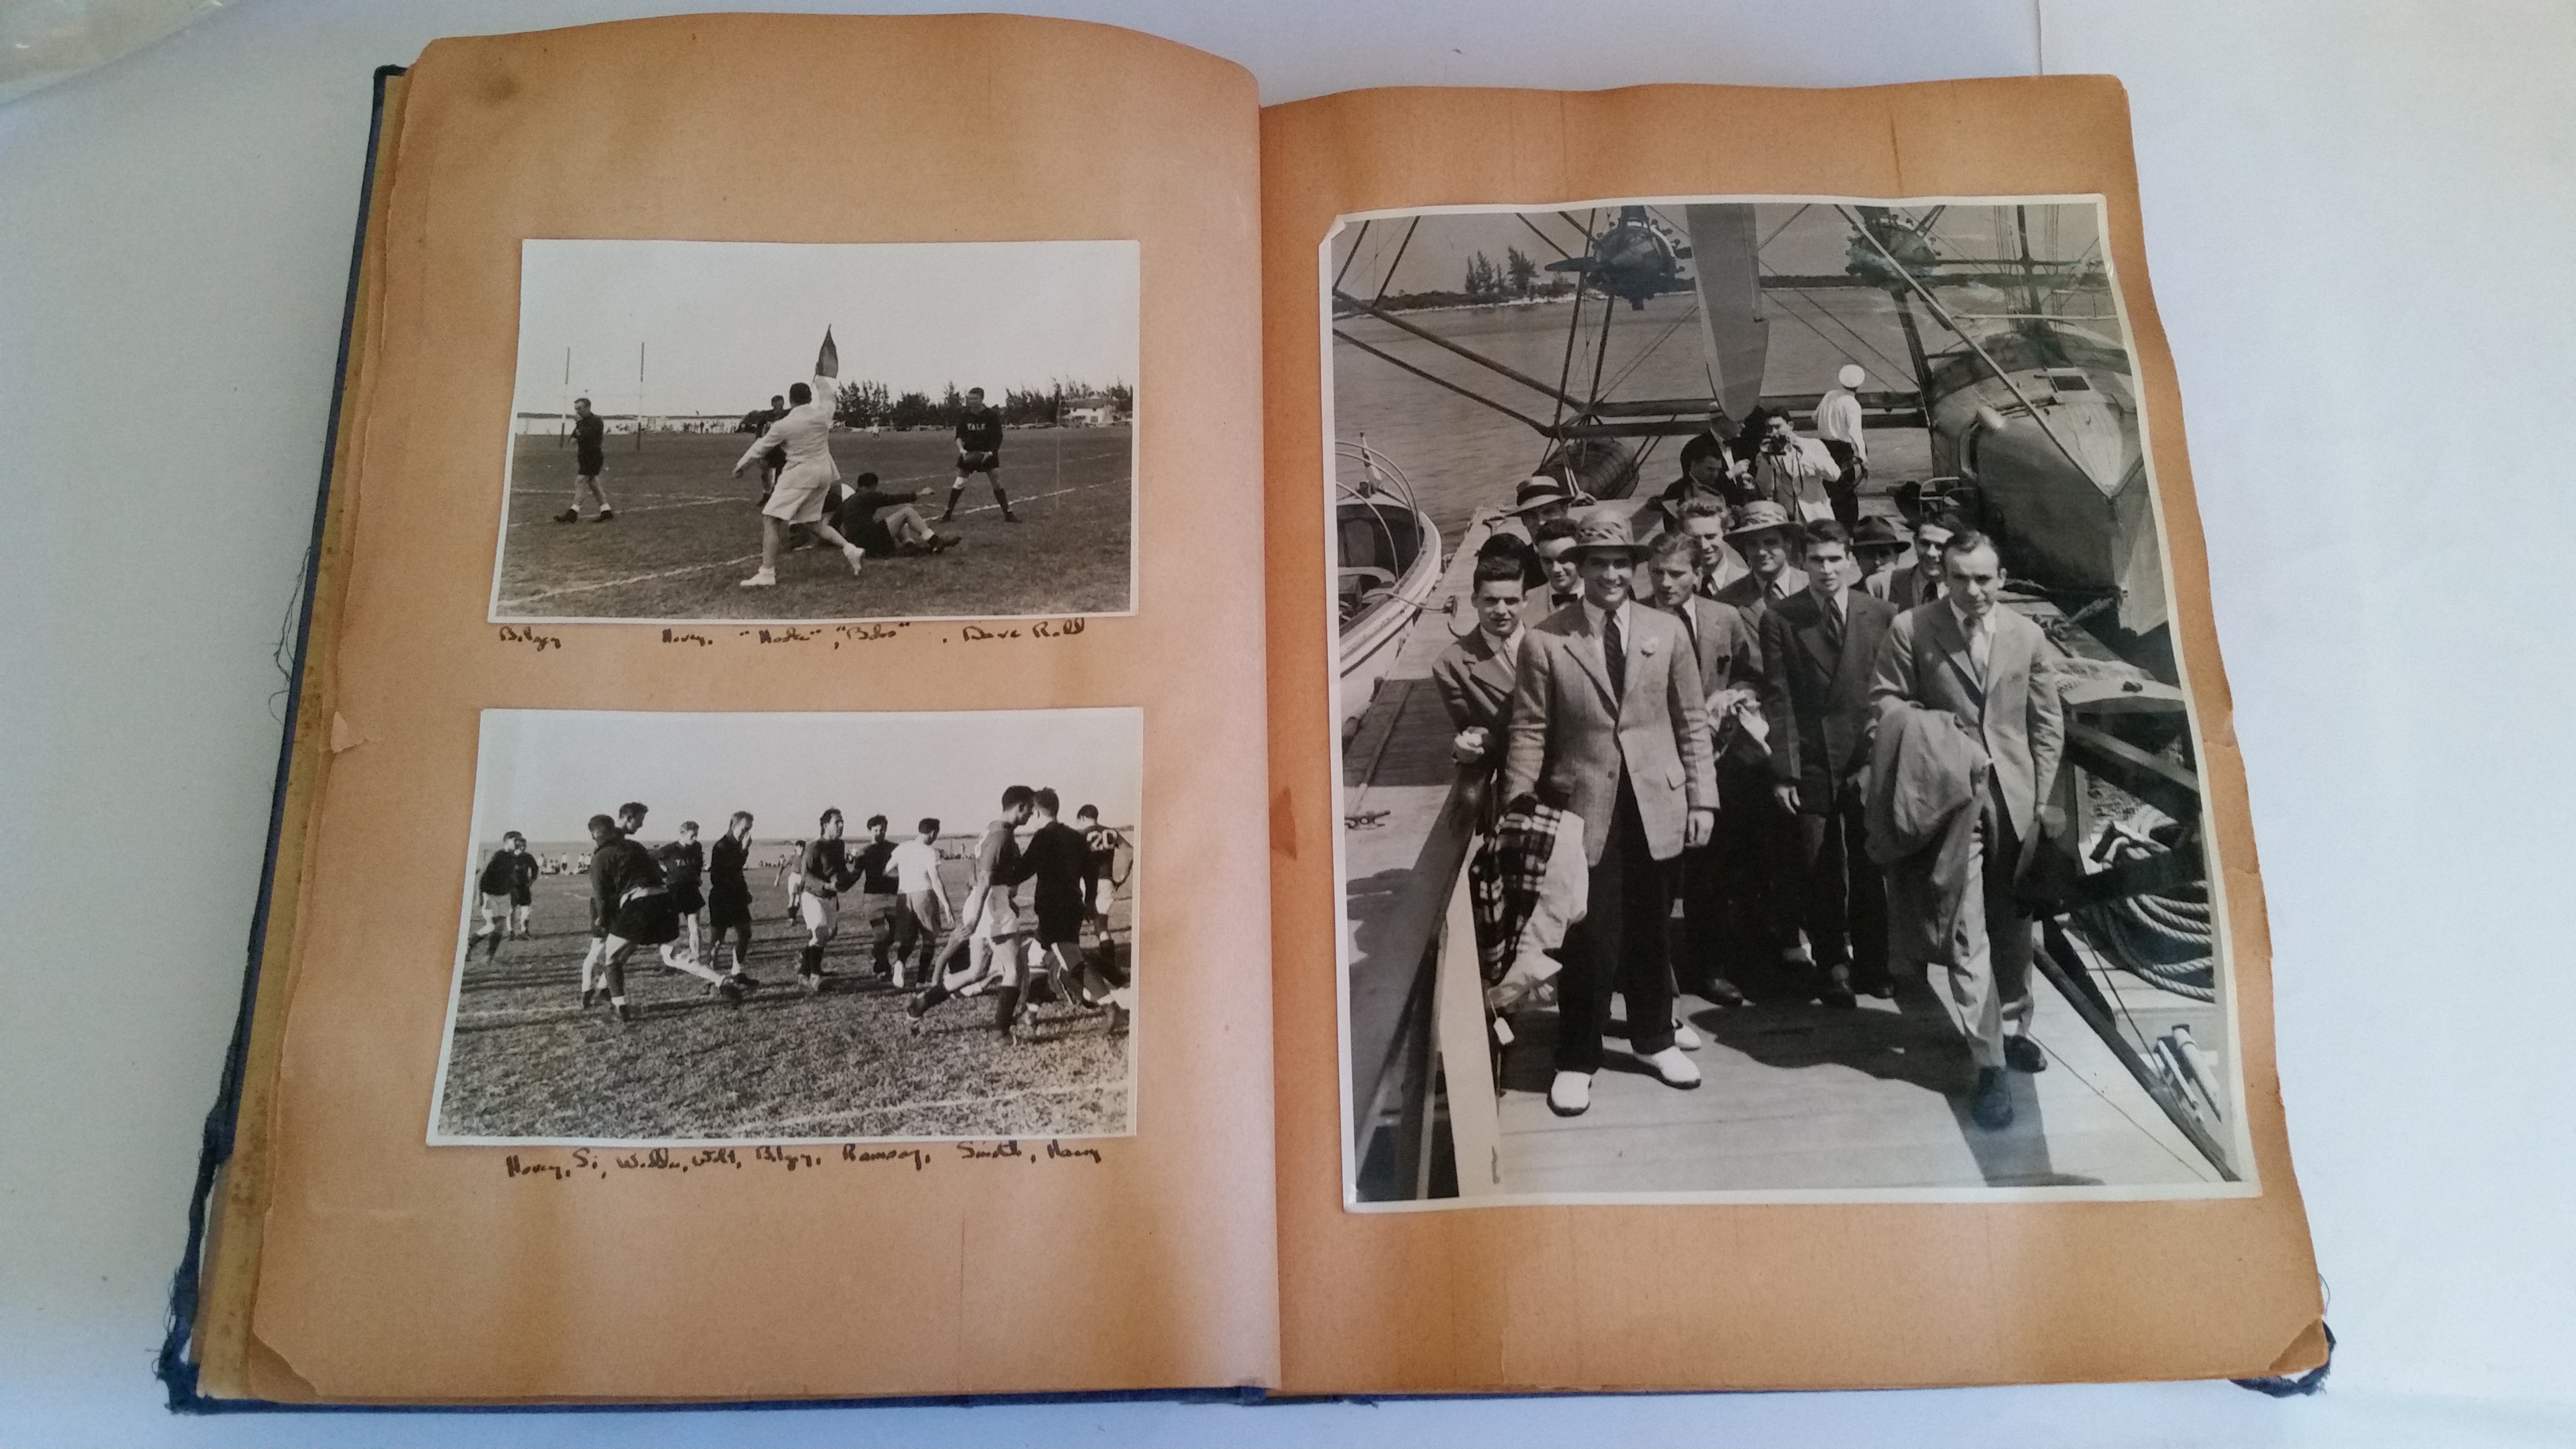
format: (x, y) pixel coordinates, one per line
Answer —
(975, 718)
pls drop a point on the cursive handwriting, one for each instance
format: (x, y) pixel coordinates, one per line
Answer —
(543, 642)
(686, 636)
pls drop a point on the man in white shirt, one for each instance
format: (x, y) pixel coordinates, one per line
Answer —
(920, 908)
(1838, 428)
(805, 433)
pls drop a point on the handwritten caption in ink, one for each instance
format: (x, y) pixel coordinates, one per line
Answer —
(827, 636)
(598, 1164)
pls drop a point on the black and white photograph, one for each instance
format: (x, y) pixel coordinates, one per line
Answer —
(789, 432)
(771, 927)
(1766, 769)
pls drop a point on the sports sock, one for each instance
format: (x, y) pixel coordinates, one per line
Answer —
(1005, 1006)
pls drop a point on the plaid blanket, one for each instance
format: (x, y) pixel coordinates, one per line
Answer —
(1503, 882)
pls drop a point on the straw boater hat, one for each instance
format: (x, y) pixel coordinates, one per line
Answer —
(1851, 376)
(1538, 492)
(1760, 516)
(1605, 530)
(1876, 532)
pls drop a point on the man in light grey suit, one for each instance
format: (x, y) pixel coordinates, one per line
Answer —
(1994, 669)
(1609, 721)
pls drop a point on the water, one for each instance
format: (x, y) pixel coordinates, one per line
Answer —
(1463, 456)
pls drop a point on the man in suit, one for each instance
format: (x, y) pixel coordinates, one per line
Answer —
(1765, 536)
(1995, 670)
(1475, 673)
(1730, 672)
(1924, 582)
(1817, 649)
(1609, 721)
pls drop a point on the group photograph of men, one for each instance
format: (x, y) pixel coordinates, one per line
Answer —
(871, 976)
(1760, 749)
(960, 444)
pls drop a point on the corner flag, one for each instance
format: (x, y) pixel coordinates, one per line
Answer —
(827, 363)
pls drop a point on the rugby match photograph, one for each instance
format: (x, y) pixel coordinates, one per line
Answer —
(775, 432)
(691, 929)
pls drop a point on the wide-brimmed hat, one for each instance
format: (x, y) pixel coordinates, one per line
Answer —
(1876, 532)
(1538, 492)
(1758, 516)
(1607, 531)
(1851, 376)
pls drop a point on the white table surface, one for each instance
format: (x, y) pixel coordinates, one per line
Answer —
(2359, 222)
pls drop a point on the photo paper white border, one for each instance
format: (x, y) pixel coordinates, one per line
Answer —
(2239, 1134)
(471, 899)
(1135, 444)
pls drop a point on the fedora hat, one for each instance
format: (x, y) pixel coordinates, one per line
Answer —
(1607, 531)
(1538, 492)
(1758, 516)
(1876, 532)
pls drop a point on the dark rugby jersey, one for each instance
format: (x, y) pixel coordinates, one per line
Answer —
(981, 433)
(500, 874)
(876, 875)
(617, 867)
(826, 867)
(1060, 860)
(586, 435)
(682, 864)
(724, 868)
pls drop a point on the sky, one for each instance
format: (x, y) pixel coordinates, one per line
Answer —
(1798, 240)
(544, 773)
(724, 325)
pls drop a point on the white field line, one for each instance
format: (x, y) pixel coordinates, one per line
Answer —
(522, 600)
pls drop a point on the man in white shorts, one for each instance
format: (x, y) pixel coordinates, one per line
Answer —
(806, 434)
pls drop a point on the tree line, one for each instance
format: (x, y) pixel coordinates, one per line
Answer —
(870, 404)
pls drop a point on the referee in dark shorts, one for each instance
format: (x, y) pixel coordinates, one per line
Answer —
(729, 895)
(979, 450)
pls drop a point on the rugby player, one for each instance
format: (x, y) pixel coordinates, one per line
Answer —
(1104, 844)
(1059, 859)
(806, 435)
(589, 456)
(979, 450)
(633, 905)
(990, 932)
(684, 863)
(920, 910)
(827, 873)
(504, 884)
(729, 895)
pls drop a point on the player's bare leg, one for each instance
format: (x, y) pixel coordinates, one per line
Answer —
(590, 962)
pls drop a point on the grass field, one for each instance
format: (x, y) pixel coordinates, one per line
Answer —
(527, 1062)
(687, 533)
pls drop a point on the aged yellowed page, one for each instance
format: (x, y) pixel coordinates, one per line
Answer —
(834, 1257)
(1822, 1207)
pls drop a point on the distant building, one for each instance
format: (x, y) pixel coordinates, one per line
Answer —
(1091, 412)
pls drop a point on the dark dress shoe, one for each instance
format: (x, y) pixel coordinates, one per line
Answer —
(2023, 1055)
(1837, 992)
(1722, 992)
(1992, 1105)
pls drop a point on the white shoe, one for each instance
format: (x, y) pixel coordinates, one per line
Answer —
(1570, 1095)
(765, 579)
(1685, 1038)
(856, 555)
(1674, 1069)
